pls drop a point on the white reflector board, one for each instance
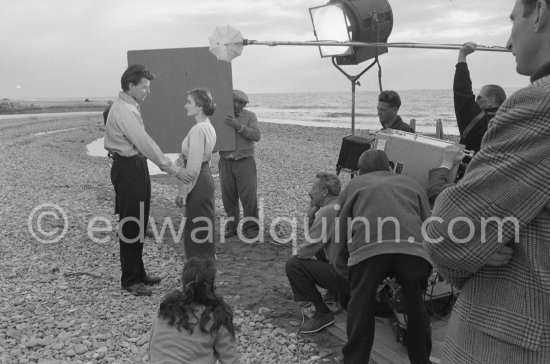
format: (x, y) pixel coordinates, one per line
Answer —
(413, 155)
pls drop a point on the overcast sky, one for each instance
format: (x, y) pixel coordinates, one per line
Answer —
(77, 48)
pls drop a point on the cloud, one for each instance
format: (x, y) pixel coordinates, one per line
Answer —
(80, 47)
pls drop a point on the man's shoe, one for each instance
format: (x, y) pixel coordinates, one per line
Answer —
(138, 289)
(151, 280)
(318, 322)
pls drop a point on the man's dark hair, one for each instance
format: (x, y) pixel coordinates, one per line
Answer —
(329, 181)
(529, 6)
(390, 97)
(134, 74)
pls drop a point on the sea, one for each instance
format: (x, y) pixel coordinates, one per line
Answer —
(334, 109)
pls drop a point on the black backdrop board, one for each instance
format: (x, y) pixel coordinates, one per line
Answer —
(177, 71)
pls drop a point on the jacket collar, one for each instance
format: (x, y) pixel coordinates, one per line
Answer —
(540, 76)
(394, 123)
(129, 99)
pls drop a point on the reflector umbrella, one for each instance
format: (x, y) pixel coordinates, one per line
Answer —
(226, 43)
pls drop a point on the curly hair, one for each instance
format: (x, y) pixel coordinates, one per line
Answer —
(329, 181)
(203, 99)
(179, 307)
(134, 74)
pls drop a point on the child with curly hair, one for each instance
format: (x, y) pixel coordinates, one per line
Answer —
(194, 325)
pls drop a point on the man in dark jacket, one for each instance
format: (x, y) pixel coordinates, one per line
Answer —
(473, 113)
(389, 103)
(380, 235)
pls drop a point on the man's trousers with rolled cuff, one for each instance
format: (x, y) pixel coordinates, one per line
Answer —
(238, 180)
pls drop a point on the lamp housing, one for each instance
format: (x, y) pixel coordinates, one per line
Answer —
(364, 21)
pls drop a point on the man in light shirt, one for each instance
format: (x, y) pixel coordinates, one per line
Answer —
(130, 146)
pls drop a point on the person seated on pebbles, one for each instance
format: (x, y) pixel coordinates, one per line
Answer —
(194, 325)
(309, 267)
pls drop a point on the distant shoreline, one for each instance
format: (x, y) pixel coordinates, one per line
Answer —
(32, 107)
(16, 109)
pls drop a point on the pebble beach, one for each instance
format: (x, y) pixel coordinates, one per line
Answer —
(61, 301)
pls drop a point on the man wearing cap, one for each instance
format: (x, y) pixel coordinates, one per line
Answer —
(238, 170)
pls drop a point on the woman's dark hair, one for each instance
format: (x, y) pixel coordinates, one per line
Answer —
(203, 98)
(134, 74)
(198, 289)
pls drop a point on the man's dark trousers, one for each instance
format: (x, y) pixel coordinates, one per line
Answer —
(412, 274)
(130, 178)
(238, 179)
(305, 274)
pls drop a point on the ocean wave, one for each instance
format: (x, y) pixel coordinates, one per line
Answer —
(348, 114)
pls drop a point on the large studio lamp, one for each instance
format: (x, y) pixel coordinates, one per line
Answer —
(368, 21)
(352, 21)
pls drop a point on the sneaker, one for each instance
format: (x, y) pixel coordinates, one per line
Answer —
(138, 289)
(318, 322)
(151, 280)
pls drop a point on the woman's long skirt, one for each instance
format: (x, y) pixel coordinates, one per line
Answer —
(198, 233)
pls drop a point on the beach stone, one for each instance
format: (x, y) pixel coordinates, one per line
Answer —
(105, 336)
(80, 349)
(57, 345)
(16, 352)
(65, 324)
(19, 301)
(17, 318)
(32, 343)
(13, 334)
(70, 353)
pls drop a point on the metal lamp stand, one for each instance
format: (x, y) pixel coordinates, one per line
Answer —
(354, 81)
(352, 146)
